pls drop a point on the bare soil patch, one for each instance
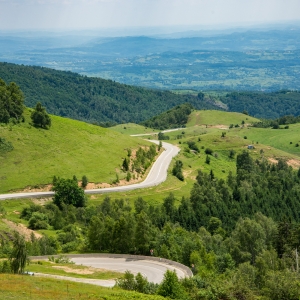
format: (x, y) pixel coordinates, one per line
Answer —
(85, 271)
(22, 229)
(294, 163)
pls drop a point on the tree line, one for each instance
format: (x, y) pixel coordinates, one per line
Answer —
(264, 105)
(94, 100)
(173, 118)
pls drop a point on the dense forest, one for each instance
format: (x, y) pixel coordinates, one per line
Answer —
(94, 100)
(239, 236)
(105, 102)
(173, 118)
(264, 105)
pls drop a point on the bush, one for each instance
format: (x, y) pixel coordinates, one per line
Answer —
(207, 160)
(231, 153)
(177, 170)
(192, 145)
(84, 181)
(38, 221)
(208, 151)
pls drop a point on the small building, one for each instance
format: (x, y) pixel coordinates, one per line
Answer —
(250, 147)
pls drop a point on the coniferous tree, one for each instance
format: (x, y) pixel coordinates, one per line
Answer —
(40, 117)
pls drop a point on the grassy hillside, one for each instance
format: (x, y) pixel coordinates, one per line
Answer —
(68, 148)
(214, 117)
(35, 288)
(131, 128)
(205, 128)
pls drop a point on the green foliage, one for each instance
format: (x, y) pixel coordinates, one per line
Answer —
(208, 151)
(207, 160)
(128, 176)
(177, 170)
(67, 192)
(173, 118)
(137, 283)
(5, 146)
(125, 164)
(91, 99)
(84, 181)
(231, 153)
(193, 146)
(38, 221)
(171, 287)
(11, 102)
(143, 159)
(162, 136)
(39, 117)
(19, 255)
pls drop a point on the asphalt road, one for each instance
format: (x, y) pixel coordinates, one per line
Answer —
(154, 271)
(157, 175)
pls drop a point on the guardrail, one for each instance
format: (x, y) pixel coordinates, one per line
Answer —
(184, 268)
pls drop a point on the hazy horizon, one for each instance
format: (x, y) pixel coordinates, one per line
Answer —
(143, 16)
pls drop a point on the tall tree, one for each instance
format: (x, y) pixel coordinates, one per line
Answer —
(11, 102)
(19, 255)
(68, 192)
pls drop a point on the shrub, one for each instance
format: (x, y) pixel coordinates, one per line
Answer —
(207, 160)
(208, 151)
(38, 221)
(84, 181)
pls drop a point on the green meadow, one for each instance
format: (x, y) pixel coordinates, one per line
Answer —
(131, 128)
(68, 148)
(205, 128)
(36, 288)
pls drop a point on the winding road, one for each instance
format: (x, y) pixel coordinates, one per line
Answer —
(153, 268)
(157, 175)
(150, 267)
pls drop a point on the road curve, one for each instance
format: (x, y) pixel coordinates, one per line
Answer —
(153, 268)
(157, 175)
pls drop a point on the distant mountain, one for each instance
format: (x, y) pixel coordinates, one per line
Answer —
(92, 99)
(261, 60)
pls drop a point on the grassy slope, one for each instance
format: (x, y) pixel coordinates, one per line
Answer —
(35, 288)
(68, 148)
(215, 117)
(131, 128)
(274, 143)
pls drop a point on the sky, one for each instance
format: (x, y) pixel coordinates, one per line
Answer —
(104, 14)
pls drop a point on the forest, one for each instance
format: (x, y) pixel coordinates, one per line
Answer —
(105, 102)
(264, 105)
(94, 100)
(240, 236)
(173, 118)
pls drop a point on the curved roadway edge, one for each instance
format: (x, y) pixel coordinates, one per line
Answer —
(151, 267)
(157, 175)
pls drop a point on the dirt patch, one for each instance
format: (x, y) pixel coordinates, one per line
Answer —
(85, 271)
(44, 188)
(273, 160)
(22, 229)
(187, 173)
(294, 163)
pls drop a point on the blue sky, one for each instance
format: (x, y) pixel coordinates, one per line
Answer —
(101, 14)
